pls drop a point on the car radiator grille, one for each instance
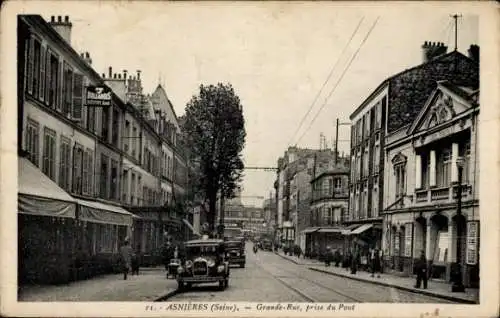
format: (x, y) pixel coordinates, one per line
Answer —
(200, 268)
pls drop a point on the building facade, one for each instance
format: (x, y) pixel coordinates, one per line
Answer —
(395, 103)
(427, 161)
(100, 167)
(328, 208)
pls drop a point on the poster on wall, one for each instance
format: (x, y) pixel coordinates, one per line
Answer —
(472, 236)
(408, 239)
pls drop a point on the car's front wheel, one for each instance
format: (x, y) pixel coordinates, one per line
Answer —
(222, 284)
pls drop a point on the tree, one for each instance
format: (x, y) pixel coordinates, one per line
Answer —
(214, 130)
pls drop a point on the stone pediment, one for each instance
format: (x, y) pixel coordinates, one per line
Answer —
(442, 106)
(399, 158)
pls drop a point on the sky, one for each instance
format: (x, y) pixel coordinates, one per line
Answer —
(277, 56)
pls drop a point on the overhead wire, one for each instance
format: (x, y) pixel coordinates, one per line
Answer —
(326, 81)
(339, 80)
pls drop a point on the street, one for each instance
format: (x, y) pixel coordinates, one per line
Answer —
(269, 278)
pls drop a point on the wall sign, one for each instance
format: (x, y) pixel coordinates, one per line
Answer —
(98, 96)
(472, 240)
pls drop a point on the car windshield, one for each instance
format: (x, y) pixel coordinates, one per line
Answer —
(207, 250)
(233, 245)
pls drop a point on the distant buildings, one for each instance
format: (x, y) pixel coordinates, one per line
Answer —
(89, 176)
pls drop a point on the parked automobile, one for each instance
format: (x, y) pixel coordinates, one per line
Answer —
(205, 262)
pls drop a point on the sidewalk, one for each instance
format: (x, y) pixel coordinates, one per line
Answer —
(435, 288)
(148, 286)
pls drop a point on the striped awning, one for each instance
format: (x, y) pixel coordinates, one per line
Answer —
(310, 230)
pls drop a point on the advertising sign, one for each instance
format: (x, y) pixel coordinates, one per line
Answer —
(472, 246)
(98, 96)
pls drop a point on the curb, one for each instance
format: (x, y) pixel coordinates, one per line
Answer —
(412, 290)
(294, 261)
(166, 296)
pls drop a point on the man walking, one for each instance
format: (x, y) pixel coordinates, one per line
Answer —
(126, 255)
(421, 268)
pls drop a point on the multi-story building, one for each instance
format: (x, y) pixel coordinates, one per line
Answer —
(421, 181)
(329, 202)
(99, 146)
(295, 171)
(393, 104)
(64, 203)
(269, 209)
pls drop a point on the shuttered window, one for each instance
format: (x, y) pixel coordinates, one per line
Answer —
(64, 163)
(42, 74)
(67, 90)
(77, 168)
(49, 153)
(77, 96)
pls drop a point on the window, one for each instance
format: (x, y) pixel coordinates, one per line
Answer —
(114, 180)
(115, 127)
(400, 172)
(126, 138)
(425, 162)
(444, 168)
(105, 123)
(64, 163)
(132, 189)
(34, 63)
(145, 195)
(124, 186)
(374, 202)
(78, 83)
(134, 142)
(103, 175)
(52, 70)
(49, 153)
(465, 153)
(376, 160)
(77, 168)
(87, 172)
(337, 184)
(67, 89)
(33, 141)
(91, 118)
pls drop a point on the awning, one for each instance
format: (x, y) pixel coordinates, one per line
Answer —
(39, 195)
(191, 227)
(347, 230)
(361, 229)
(97, 212)
(329, 230)
(310, 230)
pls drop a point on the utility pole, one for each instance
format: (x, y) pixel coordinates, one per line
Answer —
(455, 17)
(336, 142)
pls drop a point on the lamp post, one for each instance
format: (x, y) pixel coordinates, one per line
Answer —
(458, 285)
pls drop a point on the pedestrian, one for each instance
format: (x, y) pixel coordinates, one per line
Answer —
(126, 255)
(375, 262)
(421, 269)
(337, 258)
(136, 261)
(165, 254)
(354, 261)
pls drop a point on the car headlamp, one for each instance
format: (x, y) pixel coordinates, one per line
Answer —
(180, 270)
(211, 263)
(189, 264)
(220, 268)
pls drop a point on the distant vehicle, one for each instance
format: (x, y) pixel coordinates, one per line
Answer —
(235, 250)
(266, 244)
(205, 262)
(231, 232)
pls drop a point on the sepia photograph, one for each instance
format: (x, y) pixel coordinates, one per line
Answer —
(270, 158)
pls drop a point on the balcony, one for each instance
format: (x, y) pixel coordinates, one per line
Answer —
(446, 194)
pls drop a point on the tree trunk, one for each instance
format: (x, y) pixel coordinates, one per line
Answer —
(212, 210)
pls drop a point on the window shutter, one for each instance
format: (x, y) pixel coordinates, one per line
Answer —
(77, 96)
(47, 76)
(29, 73)
(42, 73)
(59, 86)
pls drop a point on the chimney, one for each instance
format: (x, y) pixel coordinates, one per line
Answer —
(62, 27)
(110, 72)
(432, 50)
(114, 76)
(86, 58)
(125, 74)
(474, 52)
(138, 75)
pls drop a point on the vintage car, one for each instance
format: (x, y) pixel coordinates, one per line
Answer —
(204, 262)
(235, 251)
(267, 245)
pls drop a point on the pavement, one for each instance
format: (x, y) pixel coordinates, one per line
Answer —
(435, 288)
(150, 285)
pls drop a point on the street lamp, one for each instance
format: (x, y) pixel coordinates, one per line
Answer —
(458, 285)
